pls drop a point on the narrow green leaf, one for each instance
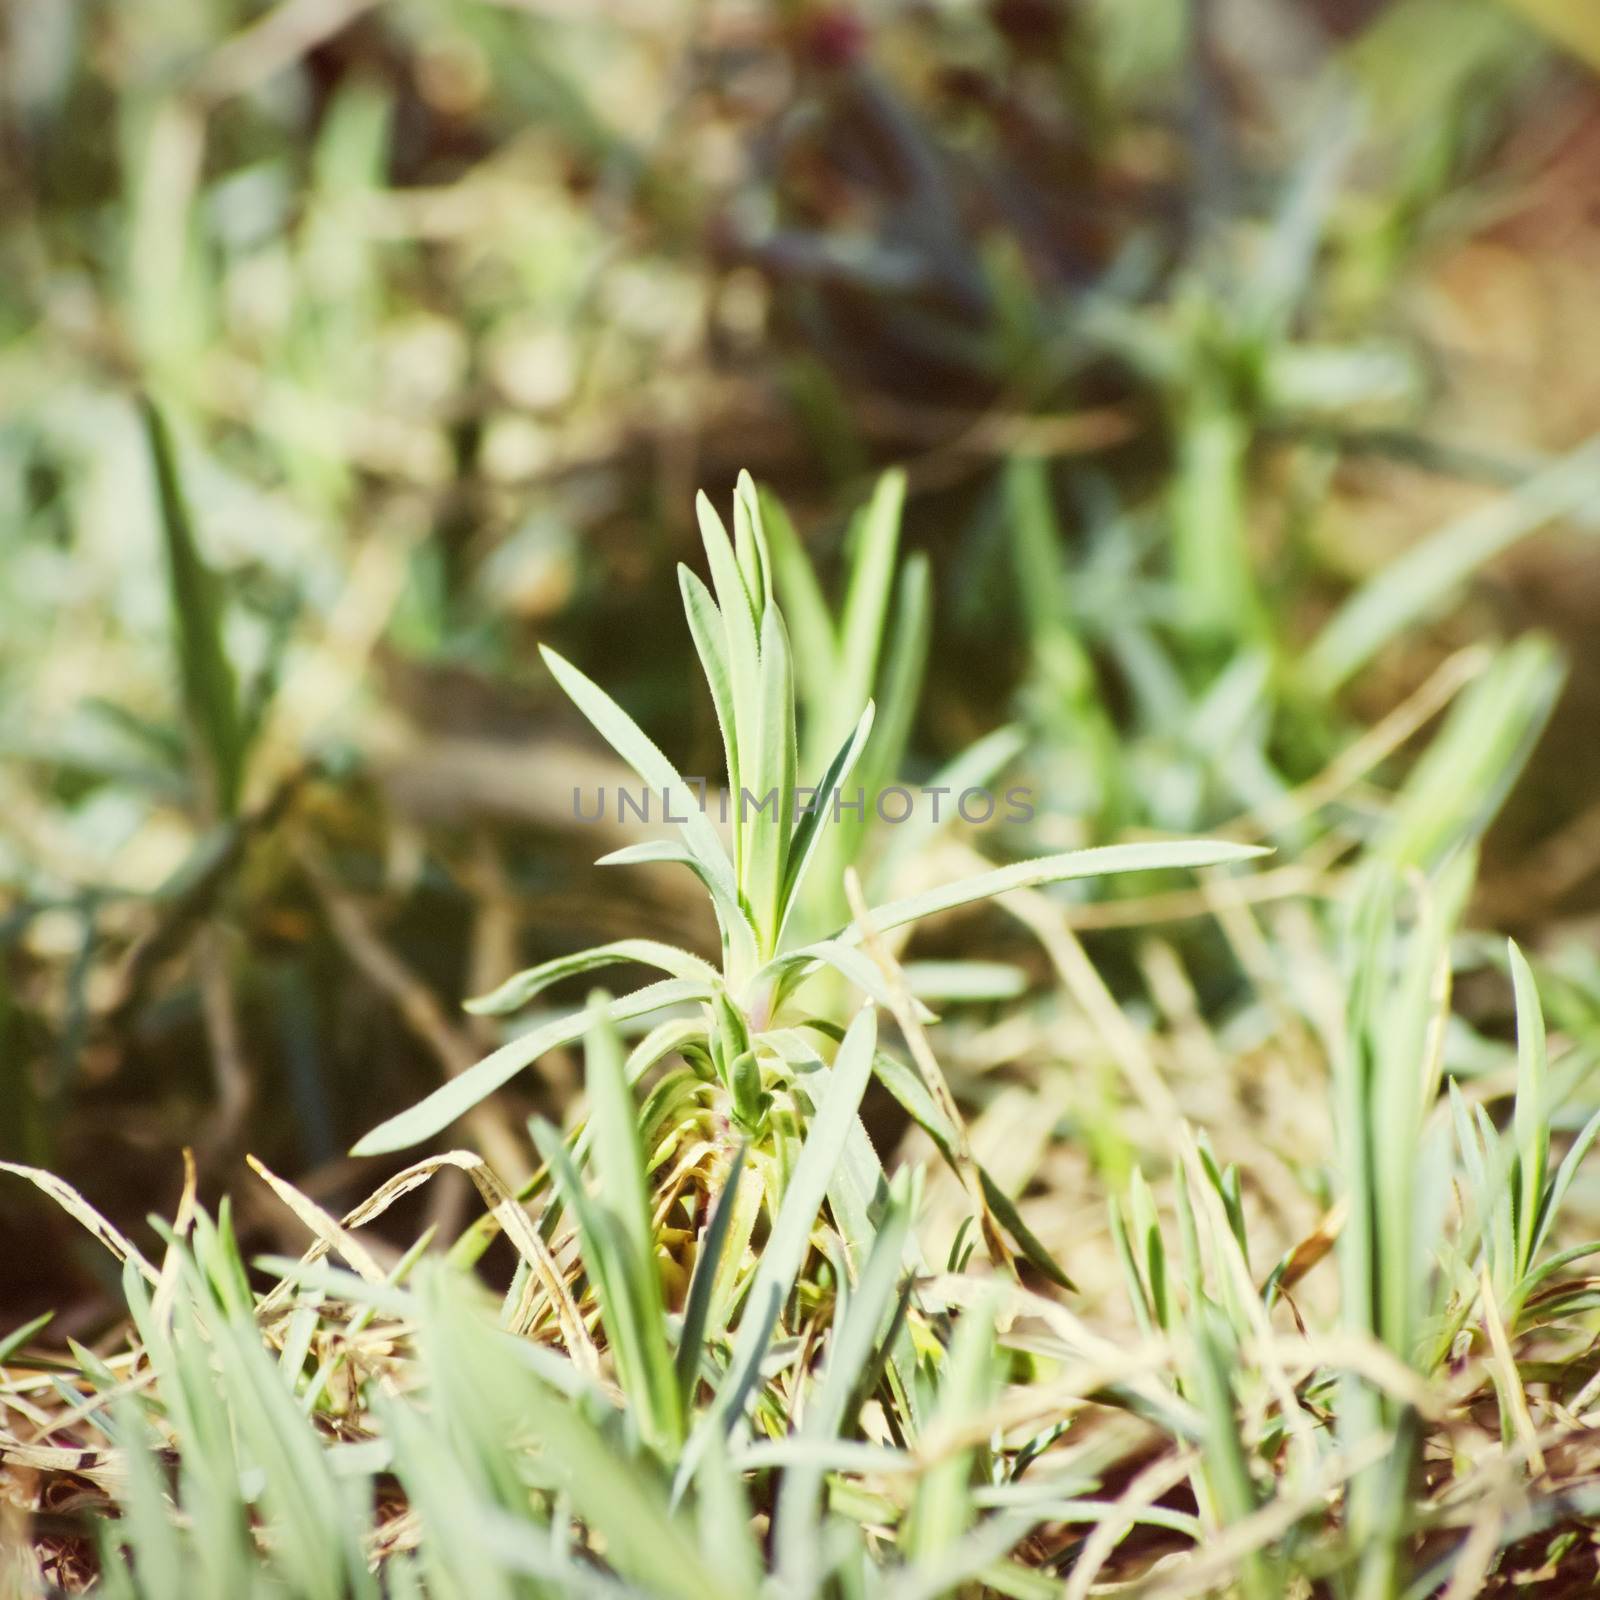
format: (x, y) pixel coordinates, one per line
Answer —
(517, 991)
(317, 1549)
(1531, 1116)
(643, 1539)
(1132, 1279)
(818, 817)
(871, 576)
(1550, 1207)
(738, 937)
(1212, 572)
(856, 1335)
(816, 648)
(709, 633)
(210, 692)
(727, 1539)
(18, 1337)
(1559, 1262)
(697, 1307)
(1102, 861)
(450, 1100)
(1227, 1469)
(943, 1510)
(1009, 1218)
(1474, 1158)
(734, 595)
(146, 1524)
(899, 686)
(1408, 589)
(614, 1118)
(1149, 1241)
(630, 741)
(768, 841)
(750, 542)
(904, 1082)
(844, 958)
(1036, 550)
(740, 619)
(1456, 787)
(632, 1321)
(1500, 1221)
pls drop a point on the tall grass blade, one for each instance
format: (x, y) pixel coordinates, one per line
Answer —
(877, 535)
(210, 691)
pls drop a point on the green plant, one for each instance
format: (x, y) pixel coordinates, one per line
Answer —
(744, 1348)
(746, 1049)
(1515, 1198)
(875, 649)
(363, 1429)
(527, 1464)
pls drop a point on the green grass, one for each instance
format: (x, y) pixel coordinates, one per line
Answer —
(732, 1354)
(1121, 1209)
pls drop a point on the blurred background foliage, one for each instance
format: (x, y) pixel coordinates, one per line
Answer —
(1187, 321)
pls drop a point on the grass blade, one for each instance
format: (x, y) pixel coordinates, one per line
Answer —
(1531, 1116)
(812, 826)
(517, 991)
(855, 1337)
(768, 843)
(630, 741)
(709, 632)
(459, 1095)
(697, 1307)
(943, 1508)
(210, 692)
(1101, 861)
(1410, 588)
(871, 578)
(1454, 791)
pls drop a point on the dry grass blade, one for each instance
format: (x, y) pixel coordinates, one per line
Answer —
(103, 1468)
(82, 1212)
(322, 1226)
(1507, 1378)
(183, 1219)
(1222, 1554)
(1159, 1478)
(1372, 746)
(507, 1210)
(1048, 924)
